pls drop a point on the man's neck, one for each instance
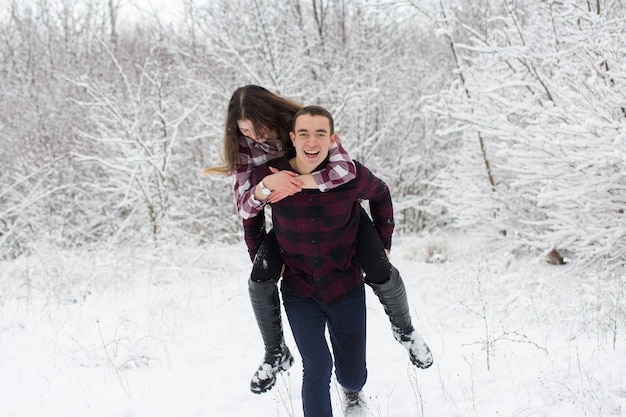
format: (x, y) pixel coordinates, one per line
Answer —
(294, 164)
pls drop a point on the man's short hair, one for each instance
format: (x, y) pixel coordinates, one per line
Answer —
(314, 111)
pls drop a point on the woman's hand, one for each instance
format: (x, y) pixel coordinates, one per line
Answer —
(283, 184)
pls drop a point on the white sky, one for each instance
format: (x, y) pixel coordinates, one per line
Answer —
(167, 10)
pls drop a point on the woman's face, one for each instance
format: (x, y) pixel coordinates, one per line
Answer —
(247, 129)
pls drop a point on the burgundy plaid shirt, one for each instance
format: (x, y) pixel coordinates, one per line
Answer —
(316, 232)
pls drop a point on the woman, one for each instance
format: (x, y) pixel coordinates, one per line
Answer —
(257, 131)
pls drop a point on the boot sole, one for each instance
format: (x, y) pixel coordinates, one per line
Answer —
(284, 366)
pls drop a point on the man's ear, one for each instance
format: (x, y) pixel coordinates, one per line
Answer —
(292, 137)
(333, 138)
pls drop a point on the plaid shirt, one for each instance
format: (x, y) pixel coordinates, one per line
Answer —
(339, 170)
(317, 232)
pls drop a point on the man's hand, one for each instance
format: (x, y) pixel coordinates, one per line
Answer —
(283, 184)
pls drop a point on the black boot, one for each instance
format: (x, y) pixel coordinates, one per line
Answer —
(266, 306)
(392, 296)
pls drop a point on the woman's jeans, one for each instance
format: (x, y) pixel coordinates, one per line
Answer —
(346, 325)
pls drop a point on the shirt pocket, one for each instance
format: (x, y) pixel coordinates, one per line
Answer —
(338, 210)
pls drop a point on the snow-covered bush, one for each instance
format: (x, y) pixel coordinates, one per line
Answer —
(540, 104)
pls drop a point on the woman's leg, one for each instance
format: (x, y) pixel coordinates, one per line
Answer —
(370, 252)
(265, 301)
(392, 296)
(308, 319)
(388, 286)
(268, 262)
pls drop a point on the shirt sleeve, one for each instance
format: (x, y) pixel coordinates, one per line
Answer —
(339, 169)
(377, 192)
(254, 228)
(247, 205)
(251, 155)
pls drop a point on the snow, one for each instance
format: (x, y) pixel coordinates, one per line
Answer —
(169, 332)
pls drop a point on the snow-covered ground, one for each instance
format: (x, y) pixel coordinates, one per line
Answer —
(137, 332)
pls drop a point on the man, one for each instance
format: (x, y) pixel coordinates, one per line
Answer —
(322, 285)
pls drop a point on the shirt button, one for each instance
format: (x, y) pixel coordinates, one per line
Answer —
(312, 240)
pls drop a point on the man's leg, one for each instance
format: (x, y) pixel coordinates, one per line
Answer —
(308, 325)
(347, 328)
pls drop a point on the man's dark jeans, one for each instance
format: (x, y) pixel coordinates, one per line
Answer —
(346, 325)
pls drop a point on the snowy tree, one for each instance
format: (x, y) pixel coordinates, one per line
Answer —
(324, 53)
(39, 44)
(542, 89)
(476, 113)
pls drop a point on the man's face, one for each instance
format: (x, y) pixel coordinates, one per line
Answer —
(312, 140)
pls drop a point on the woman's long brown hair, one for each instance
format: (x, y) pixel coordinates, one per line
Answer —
(263, 109)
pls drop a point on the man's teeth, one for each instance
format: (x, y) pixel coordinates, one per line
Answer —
(311, 152)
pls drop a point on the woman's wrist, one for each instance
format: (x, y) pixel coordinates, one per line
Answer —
(262, 191)
(266, 191)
